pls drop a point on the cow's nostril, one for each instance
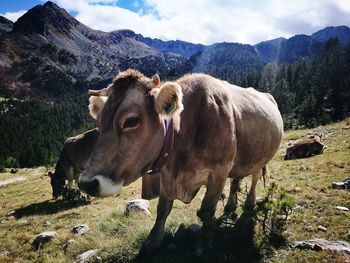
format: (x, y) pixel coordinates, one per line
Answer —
(89, 187)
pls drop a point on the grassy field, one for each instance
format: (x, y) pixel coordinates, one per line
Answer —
(118, 237)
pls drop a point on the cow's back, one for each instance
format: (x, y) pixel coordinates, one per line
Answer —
(77, 149)
(206, 135)
(226, 121)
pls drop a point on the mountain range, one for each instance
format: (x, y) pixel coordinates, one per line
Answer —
(47, 53)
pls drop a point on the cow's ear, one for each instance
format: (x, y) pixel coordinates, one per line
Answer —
(154, 82)
(101, 92)
(168, 99)
(96, 104)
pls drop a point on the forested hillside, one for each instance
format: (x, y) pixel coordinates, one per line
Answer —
(33, 131)
(309, 92)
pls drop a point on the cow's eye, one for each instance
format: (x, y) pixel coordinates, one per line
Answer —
(131, 122)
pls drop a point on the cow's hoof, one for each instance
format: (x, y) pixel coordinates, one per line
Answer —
(206, 217)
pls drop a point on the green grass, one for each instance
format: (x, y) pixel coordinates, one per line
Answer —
(119, 237)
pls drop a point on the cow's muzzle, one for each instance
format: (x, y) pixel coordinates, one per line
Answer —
(99, 185)
(89, 187)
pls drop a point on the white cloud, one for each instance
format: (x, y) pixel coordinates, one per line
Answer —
(207, 21)
(13, 16)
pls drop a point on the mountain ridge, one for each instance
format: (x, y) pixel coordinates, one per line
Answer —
(341, 32)
(47, 41)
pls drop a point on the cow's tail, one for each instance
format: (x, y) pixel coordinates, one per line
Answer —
(264, 175)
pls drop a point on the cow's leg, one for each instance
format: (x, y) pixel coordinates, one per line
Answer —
(250, 201)
(232, 200)
(70, 176)
(70, 185)
(156, 235)
(76, 178)
(215, 187)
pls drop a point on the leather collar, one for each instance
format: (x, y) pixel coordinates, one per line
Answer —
(167, 147)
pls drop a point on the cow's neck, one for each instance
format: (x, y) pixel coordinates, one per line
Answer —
(166, 148)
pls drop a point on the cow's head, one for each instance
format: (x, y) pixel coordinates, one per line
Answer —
(132, 129)
(57, 184)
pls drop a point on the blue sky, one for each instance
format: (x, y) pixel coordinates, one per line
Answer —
(16, 5)
(200, 21)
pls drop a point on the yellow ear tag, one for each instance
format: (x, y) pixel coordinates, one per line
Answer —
(170, 107)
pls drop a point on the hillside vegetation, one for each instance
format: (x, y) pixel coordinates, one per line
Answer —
(49, 59)
(309, 92)
(118, 237)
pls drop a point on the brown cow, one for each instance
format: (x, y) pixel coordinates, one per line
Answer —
(221, 131)
(72, 161)
(75, 153)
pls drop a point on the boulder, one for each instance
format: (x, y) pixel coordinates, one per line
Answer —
(309, 228)
(304, 148)
(320, 244)
(84, 257)
(322, 228)
(138, 205)
(4, 253)
(42, 238)
(80, 229)
(342, 208)
(347, 183)
(46, 223)
(338, 185)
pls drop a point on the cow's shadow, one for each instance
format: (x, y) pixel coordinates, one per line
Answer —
(222, 243)
(47, 207)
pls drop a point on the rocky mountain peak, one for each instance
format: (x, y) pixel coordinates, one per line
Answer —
(51, 4)
(43, 19)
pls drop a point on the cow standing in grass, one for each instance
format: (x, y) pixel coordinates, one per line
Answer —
(72, 161)
(75, 153)
(218, 131)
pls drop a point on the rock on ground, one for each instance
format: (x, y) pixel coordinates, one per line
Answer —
(42, 238)
(46, 223)
(309, 228)
(80, 229)
(138, 205)
(338, 185)
(322, 228)
(82, 258)
(342, 208)
(304, 148)
(345, 184)
(320, 244)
